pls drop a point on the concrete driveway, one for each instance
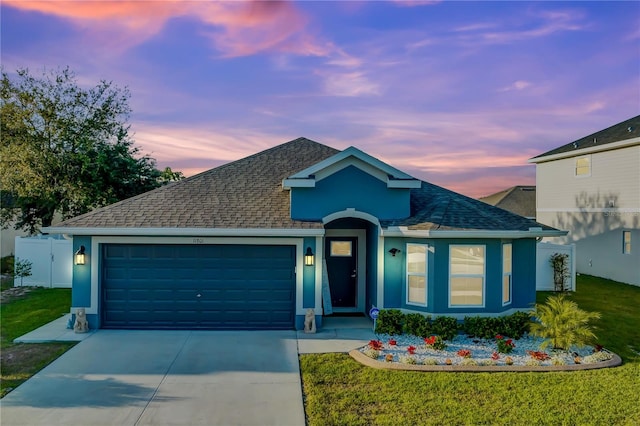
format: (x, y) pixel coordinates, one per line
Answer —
(166, 378)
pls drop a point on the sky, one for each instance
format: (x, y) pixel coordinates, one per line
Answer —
(460, 94)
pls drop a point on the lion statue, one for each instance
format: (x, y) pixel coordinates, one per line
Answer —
(310, 321)
(81, 325)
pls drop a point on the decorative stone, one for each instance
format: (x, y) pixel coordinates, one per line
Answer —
(81, 325)
(310, 321)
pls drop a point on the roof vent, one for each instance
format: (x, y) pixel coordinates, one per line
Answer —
(575, 145)
(629, 129)
(595, 140)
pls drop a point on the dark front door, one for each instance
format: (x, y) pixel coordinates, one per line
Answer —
(341, 254)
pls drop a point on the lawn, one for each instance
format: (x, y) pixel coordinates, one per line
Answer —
(340, 391)
(20, 315)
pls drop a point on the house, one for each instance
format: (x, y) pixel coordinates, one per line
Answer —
(591, 187)
(519, 199)
(255, 243)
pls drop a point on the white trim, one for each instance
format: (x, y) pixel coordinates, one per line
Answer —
(318, 282)
(509, 274)
(351, 156)
(351, 213)
(96, 259)
(403, 231)
(361, 235)
(381, 266)
(611, 210)
(587, 150)
(425, 275)
(484, 277)
(191, 232)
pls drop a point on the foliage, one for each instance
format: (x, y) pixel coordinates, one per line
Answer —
(562, 323)
(65, 148)
(505, 346)
(389, 322)
(417, 324)
(539, 355)
(445, 327)
(375, 345)
(560, 264)
(435, 342)
(514, 325)
(167, 176)
(464, 353)
(22, 268)
(7, 265)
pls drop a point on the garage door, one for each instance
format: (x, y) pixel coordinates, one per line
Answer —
(198, 286)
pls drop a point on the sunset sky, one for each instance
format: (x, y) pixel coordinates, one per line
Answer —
(460, 94)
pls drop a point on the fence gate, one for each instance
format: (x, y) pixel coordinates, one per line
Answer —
(544, 270)
(51, 261)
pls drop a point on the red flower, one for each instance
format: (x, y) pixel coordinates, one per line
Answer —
(510, 342)
(392, 342)
(464, 353)
(495, 356)
(411, 350)
(499, 336)
(375, 345)
(430, 340)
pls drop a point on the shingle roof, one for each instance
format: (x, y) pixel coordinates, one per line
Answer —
(248, 194)
(243, 194)
(436, 208)
(519, 199)
(627, 129)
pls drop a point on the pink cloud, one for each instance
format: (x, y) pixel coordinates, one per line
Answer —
(236, 28)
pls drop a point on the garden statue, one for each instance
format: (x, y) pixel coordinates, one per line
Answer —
(81, 325)
(310, 321)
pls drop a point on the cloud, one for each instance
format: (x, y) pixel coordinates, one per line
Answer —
(413, 3)
(348, 84)
(235, 28)
(516, 85)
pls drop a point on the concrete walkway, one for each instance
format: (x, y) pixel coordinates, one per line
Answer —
(124, 377)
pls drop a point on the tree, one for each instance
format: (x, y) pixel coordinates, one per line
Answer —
(168, 176)
(562, 324)
(22, 269)
(66, 148)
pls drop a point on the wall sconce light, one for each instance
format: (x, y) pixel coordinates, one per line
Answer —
(394, 251)
(81, 257)
(308, 257)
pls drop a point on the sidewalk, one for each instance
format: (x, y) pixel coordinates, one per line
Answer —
(55, 331)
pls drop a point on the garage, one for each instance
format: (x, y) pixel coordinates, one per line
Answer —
(224, 287)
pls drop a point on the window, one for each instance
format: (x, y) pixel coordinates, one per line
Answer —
(417, 274)
(583, 166)
(506, 273)
(341, 249)
(626, 242)
(466, 275)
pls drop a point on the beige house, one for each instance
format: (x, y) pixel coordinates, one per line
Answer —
(591, 187)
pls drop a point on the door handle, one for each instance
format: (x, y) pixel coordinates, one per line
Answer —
(198, 295)
(354, 274)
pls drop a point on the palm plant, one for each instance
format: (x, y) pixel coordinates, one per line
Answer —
(562, 324)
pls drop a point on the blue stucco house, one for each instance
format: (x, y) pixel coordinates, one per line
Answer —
(255, 243)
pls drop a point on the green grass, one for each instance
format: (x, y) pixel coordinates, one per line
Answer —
(19, 316)
(340, 391)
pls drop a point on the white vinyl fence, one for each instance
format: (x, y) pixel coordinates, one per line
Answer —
(544, 270)
(51, 258)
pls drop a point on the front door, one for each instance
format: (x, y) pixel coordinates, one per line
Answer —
(341, 254)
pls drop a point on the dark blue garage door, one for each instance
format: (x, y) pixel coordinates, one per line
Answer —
(198, 286)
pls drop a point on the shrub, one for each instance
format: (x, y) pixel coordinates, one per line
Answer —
(488, 362)
(435, 342)
(371, 353)
(468, 361)
(562, 324)
(430, 361)
(445, 327)
(417, 324)
(389, 321)
(597, 357)
(6, 265)
(408, 360)
(514, 325)
(505, 346)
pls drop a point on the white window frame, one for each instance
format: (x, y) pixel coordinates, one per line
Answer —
(425, 275)
(626, 250)
(575, 168)
(483, 276)
(507, 274)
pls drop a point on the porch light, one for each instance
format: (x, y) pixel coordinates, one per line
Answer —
(308, 257)
(80, 256)
(394, 251)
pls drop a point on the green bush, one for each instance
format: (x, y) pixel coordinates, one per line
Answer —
(6, 265)
(417, 324)
(445, 327)
(389, 322)
(514, 325)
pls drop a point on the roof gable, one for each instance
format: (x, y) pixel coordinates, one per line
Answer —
(351, 156)
(622, 134)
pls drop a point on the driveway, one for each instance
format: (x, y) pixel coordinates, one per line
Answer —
(122, 378)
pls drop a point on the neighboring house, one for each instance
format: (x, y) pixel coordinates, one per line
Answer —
(244, 246)
(591, 187)
(519, 199)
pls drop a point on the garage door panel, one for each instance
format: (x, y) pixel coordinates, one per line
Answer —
(157, 286)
